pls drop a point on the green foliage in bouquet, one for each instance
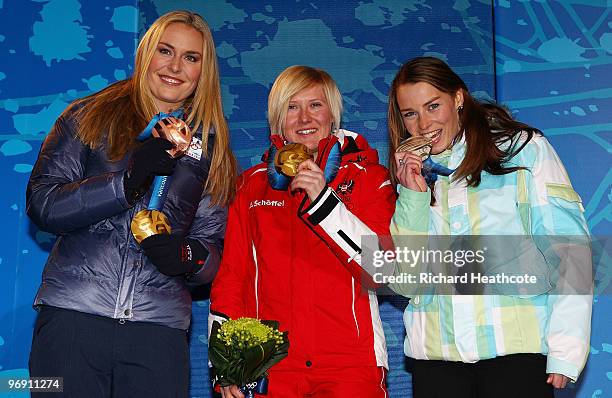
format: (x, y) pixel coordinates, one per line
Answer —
(243, 349)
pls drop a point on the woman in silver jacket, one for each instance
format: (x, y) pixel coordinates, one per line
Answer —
(113, 313)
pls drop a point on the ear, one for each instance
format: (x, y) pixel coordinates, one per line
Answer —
(459, 99)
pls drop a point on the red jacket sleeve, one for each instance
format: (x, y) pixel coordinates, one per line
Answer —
(348, 234)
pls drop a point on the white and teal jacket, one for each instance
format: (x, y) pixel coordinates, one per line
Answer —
(537, 201)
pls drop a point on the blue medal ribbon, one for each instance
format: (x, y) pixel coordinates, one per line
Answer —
(431, 170)
(330, 155)
(161, 184)
(259, 387)
(146, 133)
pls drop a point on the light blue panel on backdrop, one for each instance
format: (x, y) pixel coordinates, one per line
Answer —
(554, 62)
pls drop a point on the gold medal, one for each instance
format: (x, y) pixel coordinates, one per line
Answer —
(289, 157)
(417, 145)
(152, 221)
(149, 222)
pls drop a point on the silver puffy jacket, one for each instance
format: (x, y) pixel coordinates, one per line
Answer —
(96, 266)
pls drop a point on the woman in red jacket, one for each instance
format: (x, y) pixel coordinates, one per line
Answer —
(293, 246)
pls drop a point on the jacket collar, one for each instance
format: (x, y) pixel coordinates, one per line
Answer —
(354, 147)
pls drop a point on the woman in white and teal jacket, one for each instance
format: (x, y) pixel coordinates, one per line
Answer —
(505, 179)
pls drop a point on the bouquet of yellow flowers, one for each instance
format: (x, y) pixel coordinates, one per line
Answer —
(242, 350)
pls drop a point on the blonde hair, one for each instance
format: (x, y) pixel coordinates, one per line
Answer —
(293, 80)
(121, 111)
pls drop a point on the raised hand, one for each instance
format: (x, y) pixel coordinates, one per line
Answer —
(408, 166)
(310, 178)
(147, 160)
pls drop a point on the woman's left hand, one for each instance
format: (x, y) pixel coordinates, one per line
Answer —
(557, 380)
(310, 178)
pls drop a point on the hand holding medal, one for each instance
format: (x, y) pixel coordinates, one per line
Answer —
(287, 160)
(409, 156)
(152, 221)
(416, 174)
(283, 163)
(176, 131)
(296, 161)
(417, 145)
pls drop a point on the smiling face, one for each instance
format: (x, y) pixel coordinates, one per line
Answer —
(309, 117)
(427, 111)
(174, 71)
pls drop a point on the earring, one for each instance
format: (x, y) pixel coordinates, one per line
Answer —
(460, 108)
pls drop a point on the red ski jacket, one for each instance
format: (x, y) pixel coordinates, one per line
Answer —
(301, 265)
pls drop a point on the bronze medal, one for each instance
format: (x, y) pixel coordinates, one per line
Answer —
(417, 145)
(176, 131)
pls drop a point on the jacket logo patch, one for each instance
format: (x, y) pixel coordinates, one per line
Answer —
(345, 188)
(267, 202)
(195, 148)
(344, 191)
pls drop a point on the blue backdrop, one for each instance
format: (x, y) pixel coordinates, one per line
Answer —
(549, 61)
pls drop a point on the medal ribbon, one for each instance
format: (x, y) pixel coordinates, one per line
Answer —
(161, 184)
(431, 170)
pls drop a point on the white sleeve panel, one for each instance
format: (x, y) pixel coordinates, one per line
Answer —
(342, 226)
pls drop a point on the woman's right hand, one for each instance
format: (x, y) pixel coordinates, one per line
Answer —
(149, 159)
(408, 171)
(231, 392)
(152, 157)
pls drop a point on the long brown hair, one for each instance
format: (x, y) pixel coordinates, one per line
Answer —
(492, 136)
(120, 112)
